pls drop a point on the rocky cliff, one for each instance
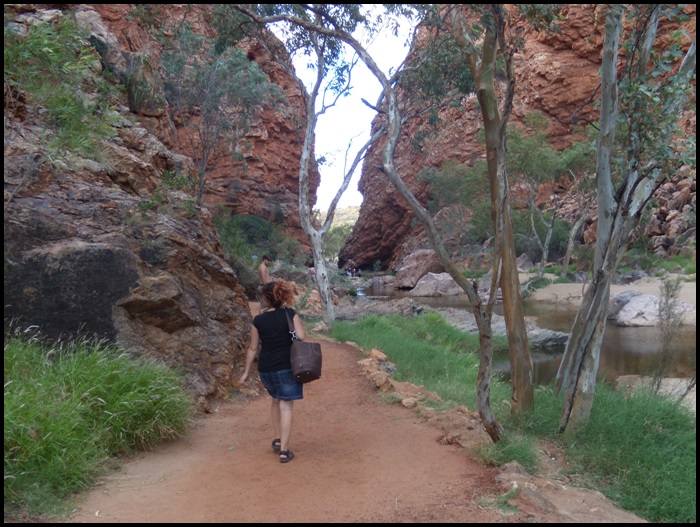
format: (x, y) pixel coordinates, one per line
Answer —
(103, 248)
(556, 74)
(265, 182)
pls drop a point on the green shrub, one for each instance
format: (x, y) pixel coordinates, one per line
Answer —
(61, 75)
(526, 241)
(247, 235)
(335, 240)
(510, 448)
(71, 408)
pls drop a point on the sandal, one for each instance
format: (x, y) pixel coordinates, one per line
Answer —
(288, 456)
(276, 445)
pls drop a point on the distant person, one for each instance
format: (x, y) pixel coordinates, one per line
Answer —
(270, 330)
(264, 274)
(264, 271)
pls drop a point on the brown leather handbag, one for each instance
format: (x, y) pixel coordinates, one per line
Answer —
(305, 357)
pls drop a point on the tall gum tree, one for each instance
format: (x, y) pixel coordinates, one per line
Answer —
(482, 63)
(213, 91)
(485, 38)
(497, 118)
(331, 81)
(639, 147)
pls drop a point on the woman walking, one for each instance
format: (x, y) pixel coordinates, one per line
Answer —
(271, 330)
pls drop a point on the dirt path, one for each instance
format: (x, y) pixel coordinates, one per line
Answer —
(358, 459)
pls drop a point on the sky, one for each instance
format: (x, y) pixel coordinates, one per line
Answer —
(350, 120)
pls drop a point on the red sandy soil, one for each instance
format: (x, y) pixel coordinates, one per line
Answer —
(357, 459)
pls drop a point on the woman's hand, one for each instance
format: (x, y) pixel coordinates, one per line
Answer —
(251, 354)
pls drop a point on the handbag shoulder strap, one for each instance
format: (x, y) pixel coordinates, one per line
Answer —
(292, 331)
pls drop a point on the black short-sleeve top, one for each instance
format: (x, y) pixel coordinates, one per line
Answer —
(275, 339)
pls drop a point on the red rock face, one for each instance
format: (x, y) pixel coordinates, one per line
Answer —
(556, 74)
(82, 254)
(266, 183)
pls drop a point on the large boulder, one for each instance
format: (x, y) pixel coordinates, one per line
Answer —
(633, 308)
(415, 266)
(90, 252)
(436, 284)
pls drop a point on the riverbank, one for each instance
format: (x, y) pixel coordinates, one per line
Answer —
(573, 293)
(561, 294)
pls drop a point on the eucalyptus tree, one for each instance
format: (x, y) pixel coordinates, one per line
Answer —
(488, 39)
(476, 44)
(639, 147)
(333, 67)
(388, 105)
(214, 91)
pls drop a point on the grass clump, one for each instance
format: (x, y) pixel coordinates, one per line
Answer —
(61, 75)
(639, 449)
(642, 451)
(71, 408)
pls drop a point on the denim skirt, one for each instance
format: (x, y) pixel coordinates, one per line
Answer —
(280, 384)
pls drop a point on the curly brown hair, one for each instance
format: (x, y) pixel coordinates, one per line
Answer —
(278, 293)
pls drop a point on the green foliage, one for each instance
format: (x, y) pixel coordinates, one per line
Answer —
(148, 15)
(474, 273)
(245, 235)
(161, 196)
(639, 257)
(299, 41)
(177, 181)
(641, 450)
(529, 156)
(651, 97)
(522, 449)
(580, 158)
(335, 241)
(230, 26)
(525, 243)
(453, 184)
(427, 351)
(454, 189)
(670, 321)
(440, 70)
(482, 224)
(61, 75)
(70, 408)
(685, 263)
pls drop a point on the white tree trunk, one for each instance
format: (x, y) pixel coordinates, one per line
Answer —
(579, 367)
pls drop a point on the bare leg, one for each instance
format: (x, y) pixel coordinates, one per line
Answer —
(285, 411)
(275, 412)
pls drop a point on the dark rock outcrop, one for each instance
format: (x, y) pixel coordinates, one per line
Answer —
(82, 257)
